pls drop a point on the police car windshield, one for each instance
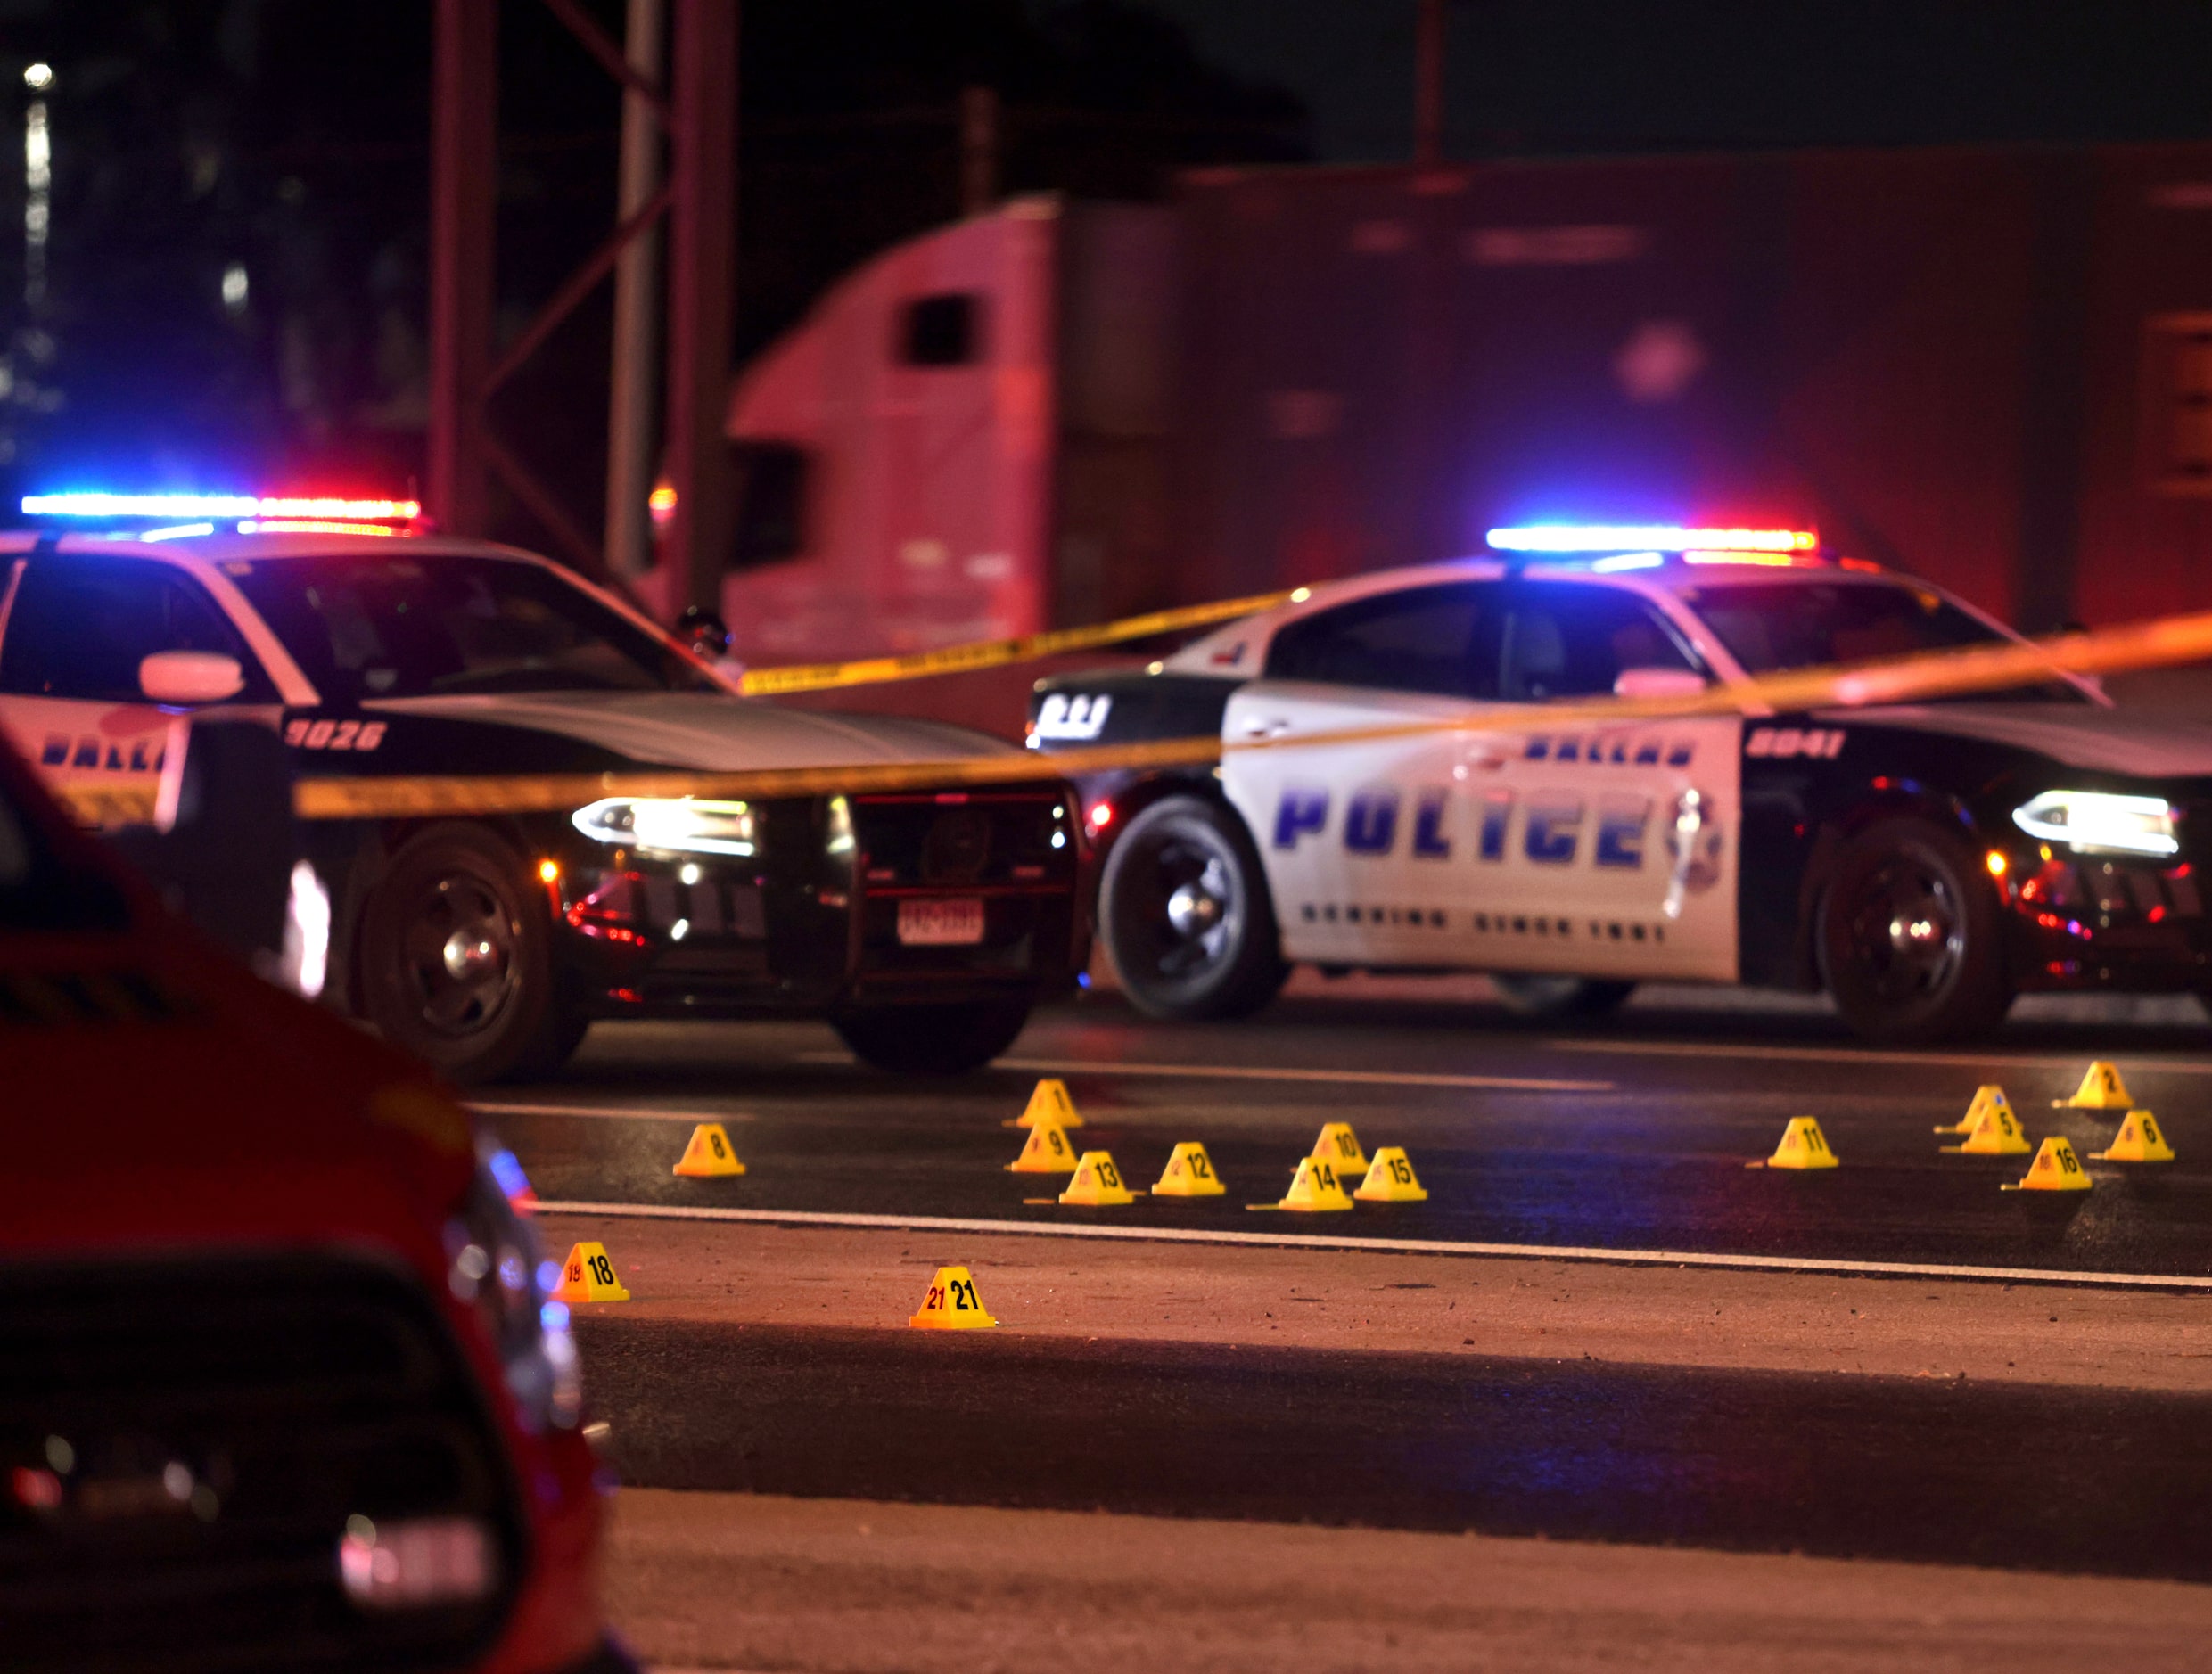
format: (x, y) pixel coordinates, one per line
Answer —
(1772, 626)
(364, 625)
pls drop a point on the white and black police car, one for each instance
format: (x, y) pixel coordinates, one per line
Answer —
(1923, 863)
(923, 925)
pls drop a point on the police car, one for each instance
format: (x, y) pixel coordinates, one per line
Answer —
(1923, 863)
(923, 925)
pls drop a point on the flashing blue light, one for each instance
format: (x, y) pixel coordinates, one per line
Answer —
(181, 506)
(1630, 560)
(1636, 537)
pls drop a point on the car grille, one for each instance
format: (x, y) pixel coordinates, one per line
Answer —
(219, 1423)
(995, 847)
(958, 841)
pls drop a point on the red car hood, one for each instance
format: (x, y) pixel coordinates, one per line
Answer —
(154, 1096)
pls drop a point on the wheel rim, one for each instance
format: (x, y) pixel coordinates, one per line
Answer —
(1180, 910)
(458, 956)
(1907, 930)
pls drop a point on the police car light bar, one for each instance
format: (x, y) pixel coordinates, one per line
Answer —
(1629, 538)
(185, 507)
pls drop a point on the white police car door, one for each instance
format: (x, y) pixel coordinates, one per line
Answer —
(1598, 852)
(76, 628)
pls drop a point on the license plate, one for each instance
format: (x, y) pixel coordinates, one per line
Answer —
(940, 924)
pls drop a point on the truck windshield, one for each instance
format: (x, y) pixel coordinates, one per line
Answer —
(367, 626)
(1772, 626)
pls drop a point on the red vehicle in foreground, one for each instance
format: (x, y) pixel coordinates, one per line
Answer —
(280, 1386)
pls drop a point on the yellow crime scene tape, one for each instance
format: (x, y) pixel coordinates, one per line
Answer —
(992, 654)
(2160, 643)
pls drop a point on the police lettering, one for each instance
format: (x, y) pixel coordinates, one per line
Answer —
(1617, 750)
(1553, 829)
(1552, 826)
(1300, 812)
(143, 754)
(1371, 822)
(1621, 822)
(1429, 841)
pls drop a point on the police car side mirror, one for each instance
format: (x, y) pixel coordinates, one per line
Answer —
(190, 676)
(1657, 683)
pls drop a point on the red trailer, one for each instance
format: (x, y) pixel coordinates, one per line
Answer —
(1989, 366)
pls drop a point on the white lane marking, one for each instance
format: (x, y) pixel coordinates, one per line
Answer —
(614, 1113)
(1396, 1246)
(1848, 1055)
(1354, 1078)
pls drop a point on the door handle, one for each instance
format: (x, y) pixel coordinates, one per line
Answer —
(1269, 727)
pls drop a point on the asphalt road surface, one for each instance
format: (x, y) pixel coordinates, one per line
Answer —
(2013, 1476)
(1775, 1416)
(1630, 1136)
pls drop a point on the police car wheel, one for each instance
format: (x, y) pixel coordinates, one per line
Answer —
(1535, 993)
(1908, 936)
(455, 960)
(1185, 912)
(932, 1039)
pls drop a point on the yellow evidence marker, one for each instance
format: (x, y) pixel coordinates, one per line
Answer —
(1048, 1150)
(2138, 1140)
(1189, 1173)
(1313, 1188)
(951, 1304)
(708, 1156)
(1391, 1179)
(587, 1276)
(1984, 1097)
(2102, 1088)
(1339, 1147)
(1049, 1102)
(1097, 1183)
(1803, 1146)
(1996, 1133)
(2055, 1169)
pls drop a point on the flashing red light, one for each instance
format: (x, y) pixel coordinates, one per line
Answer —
(1100, 816)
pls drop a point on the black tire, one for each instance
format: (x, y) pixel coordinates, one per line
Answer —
(1909, 936)
(456, 960)
(1186, 915)
(1534, 993)
(932, 1039)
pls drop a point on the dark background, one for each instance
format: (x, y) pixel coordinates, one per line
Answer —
(190, 135)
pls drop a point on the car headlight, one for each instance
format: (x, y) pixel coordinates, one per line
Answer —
(677, 825)
(493, 1261)
(2101, 819)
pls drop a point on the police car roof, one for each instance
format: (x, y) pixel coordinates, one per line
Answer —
(1668, 574)
(261, 545)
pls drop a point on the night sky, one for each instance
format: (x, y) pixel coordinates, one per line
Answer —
(192, 137)
(1548, 76)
